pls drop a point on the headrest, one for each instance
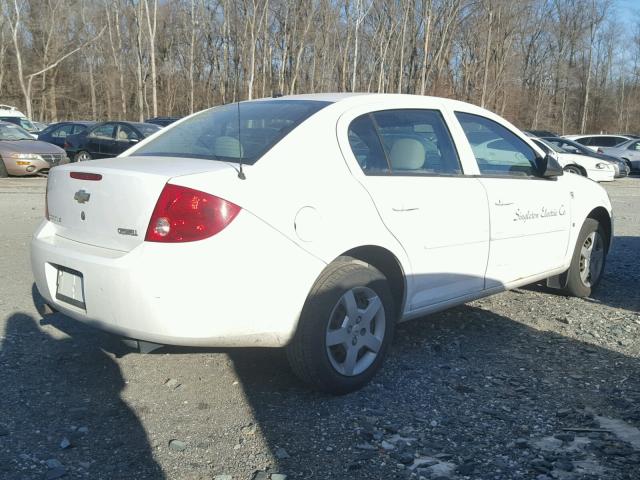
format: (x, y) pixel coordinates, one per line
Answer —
(407, 154)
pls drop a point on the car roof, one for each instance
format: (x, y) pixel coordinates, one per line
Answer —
(357, 99)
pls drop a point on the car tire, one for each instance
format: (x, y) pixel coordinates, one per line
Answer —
(586, 271)
(3, 169)
(628, 162)
(332, 352)
(82, 156)
(573, 169)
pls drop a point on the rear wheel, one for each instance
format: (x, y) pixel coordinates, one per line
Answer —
(588, 261)
(82, 156)
(345, 328)
(3, 169)
(573, 169)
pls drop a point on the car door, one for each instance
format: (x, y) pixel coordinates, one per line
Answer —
(100, 140)
(126, 137)
(530, 215)
(409, 165)
(59, 134)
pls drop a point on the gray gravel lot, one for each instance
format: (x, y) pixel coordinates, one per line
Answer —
(527, 384)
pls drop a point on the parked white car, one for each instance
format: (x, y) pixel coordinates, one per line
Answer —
(597, 141)
(593, 168)
(11, 114)
(320, 224)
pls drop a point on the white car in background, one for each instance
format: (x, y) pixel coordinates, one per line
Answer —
(596, 170)
(594, 142)
(315, 223)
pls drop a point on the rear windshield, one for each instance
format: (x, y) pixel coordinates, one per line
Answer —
(213, 134)
(147, 129)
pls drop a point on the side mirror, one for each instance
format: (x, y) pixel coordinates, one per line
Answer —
(549, 167)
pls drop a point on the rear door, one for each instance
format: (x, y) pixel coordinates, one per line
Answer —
(100, 140)
(407, 161)
(530, 215)
(59, 134)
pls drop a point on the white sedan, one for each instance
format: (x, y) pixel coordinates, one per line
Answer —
(593, 168)
(314, 223)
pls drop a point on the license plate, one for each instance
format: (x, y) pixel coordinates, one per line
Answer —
(70, 287)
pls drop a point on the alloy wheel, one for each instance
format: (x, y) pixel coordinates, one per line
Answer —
(355, 331)
(591, 259)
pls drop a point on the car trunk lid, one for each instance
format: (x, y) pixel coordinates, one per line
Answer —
(108, 203)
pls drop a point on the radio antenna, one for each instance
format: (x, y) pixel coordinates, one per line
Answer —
(241, 175)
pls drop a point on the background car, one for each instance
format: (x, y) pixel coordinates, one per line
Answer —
(595, 141)
(540, 133)
(596, 170)
(621, 167)
(21, 155)
(162, 121)
(628, 151)
(58, 132)
(11, 114)
(106, 139)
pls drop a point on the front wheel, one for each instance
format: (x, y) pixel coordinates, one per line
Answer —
(628, 162)
(83, 156)
(3, 169)
(345, 328)
(588, 261)
(573, 169)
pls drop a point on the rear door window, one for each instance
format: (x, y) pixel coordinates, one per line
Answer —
(606, 141)
(417, 142)
(63, 131)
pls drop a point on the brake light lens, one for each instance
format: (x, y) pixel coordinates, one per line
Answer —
(183, 214)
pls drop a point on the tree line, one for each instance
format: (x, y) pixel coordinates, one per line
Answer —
(564, 65)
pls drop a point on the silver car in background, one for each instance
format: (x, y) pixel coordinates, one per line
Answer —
(628, 151)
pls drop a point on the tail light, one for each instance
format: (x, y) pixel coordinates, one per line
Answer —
(182, 214)
(66, 145)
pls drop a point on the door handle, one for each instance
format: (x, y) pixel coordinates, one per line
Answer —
(500, 203)
(405, 209)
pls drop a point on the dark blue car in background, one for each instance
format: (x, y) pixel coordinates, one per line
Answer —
(57, 133)
(106, 139)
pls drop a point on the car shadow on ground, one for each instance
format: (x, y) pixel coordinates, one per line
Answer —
(64, 413)
(619, 286)
(460, 387)
(464, 384)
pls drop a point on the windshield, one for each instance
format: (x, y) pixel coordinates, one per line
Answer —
(14, 132)
(213, 134)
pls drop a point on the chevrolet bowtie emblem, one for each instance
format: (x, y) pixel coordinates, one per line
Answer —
(82, 196)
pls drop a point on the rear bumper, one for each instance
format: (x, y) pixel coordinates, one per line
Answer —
(223, 291)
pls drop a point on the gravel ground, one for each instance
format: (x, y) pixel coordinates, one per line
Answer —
(526, 384)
